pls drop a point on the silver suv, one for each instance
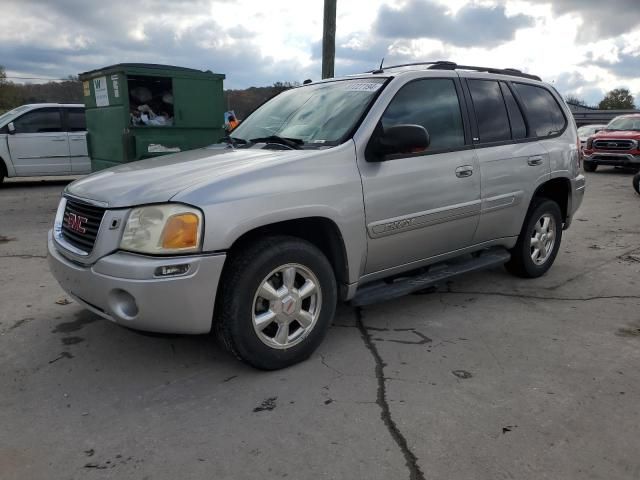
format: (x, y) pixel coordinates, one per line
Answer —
(356, 189)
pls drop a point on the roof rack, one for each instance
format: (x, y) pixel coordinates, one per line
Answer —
(444, 65)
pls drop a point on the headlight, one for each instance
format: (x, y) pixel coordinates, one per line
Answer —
(160, 229)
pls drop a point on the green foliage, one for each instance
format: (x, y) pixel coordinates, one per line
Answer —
(617, 99)
(575, 100)
(15, 94)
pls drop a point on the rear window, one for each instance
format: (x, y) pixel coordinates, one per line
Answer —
(491, 113)
(543, 112)
(76, 121)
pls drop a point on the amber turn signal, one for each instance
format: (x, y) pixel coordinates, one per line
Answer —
(181, 231)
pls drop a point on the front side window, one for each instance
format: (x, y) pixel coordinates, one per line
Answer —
(543, 112)
(432, 103)
(491, 112)
(43, 120)
(317, 115)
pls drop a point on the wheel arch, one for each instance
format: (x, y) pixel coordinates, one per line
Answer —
(558, 190)
(322, 232)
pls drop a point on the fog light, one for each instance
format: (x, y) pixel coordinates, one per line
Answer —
(172, 270)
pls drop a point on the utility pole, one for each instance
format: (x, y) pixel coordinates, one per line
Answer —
(329, 39)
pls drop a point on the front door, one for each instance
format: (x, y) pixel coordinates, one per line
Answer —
(424, 204)
(40, 145)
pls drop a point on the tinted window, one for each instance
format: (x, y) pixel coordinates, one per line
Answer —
(518, 127)
(543, 112)
(39, 121)
(432, 103)
(76, 120)
(491, 113)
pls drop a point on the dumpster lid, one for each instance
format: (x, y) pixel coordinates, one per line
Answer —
(149, 68)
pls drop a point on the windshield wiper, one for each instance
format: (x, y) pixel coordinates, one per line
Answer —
(294, 143)
(233, 140)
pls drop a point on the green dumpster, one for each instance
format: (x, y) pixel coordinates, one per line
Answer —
(137, 111)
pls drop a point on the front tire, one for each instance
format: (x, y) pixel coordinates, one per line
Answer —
(589, 166)
(277, 299)
(636, 183)
(539, 240)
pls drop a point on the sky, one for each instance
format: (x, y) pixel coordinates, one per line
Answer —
(584, 47)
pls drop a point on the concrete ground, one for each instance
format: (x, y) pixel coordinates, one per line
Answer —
(491, 377)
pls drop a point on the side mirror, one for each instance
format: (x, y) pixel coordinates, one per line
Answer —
(11, 128)
(401, 139)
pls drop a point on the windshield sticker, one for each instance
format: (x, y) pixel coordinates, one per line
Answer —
(319, 141)
(362, 86)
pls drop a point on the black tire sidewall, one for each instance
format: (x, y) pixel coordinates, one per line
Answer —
(238, 322)
(636, 183)
(590, 166)
(545, 206)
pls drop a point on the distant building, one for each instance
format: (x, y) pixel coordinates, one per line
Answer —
(590, 115)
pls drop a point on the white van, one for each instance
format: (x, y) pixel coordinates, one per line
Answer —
(43, 139)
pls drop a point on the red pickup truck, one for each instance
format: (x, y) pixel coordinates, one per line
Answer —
(618, 144)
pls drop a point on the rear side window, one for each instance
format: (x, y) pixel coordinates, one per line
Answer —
(543, 112)
(432, 103)
(39, 121)
(491, 113)
(76, 121)
(518, 127)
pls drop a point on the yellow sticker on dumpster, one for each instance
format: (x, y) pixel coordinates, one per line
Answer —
(85, 88)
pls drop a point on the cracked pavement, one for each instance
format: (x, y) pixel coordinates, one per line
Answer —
(486, 377)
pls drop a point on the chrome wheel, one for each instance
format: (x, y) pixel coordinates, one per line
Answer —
(543, 239)
(286, 306)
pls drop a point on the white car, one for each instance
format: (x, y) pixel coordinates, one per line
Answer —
(43, 139)
(586, 131)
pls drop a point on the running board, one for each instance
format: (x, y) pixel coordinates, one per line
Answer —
(382, 291)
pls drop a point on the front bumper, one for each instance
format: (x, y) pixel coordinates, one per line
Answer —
(613, 159)
(122, 287)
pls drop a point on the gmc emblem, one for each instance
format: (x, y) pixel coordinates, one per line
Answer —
(75, 222)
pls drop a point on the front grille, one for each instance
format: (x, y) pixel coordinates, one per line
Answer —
(81, 223)
(614, 145)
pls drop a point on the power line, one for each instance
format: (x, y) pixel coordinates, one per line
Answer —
(39, 78)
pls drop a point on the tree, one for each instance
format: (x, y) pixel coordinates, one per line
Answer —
(617, 99)
(575, 100)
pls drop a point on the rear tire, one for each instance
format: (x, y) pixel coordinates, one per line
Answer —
(276, 301)
(636, 183)
(589, 166)
(539, 240)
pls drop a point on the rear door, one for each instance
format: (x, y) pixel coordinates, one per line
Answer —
(76, 126)
(40, 145)
(512, 162)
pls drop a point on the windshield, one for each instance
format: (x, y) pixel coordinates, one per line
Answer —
(318, 115)
(624, 123)
(5, 116)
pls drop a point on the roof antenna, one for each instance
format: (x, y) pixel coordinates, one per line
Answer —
(379, 70)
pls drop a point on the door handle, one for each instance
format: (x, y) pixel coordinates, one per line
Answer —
(535, 160)
(464, 171)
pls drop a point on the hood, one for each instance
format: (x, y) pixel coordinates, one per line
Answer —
(630, 134)
(159, 179)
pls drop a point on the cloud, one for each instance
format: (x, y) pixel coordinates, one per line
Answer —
(473, 25)
(600, 19)
(574, 83)
(96, 35)
(625, 65)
